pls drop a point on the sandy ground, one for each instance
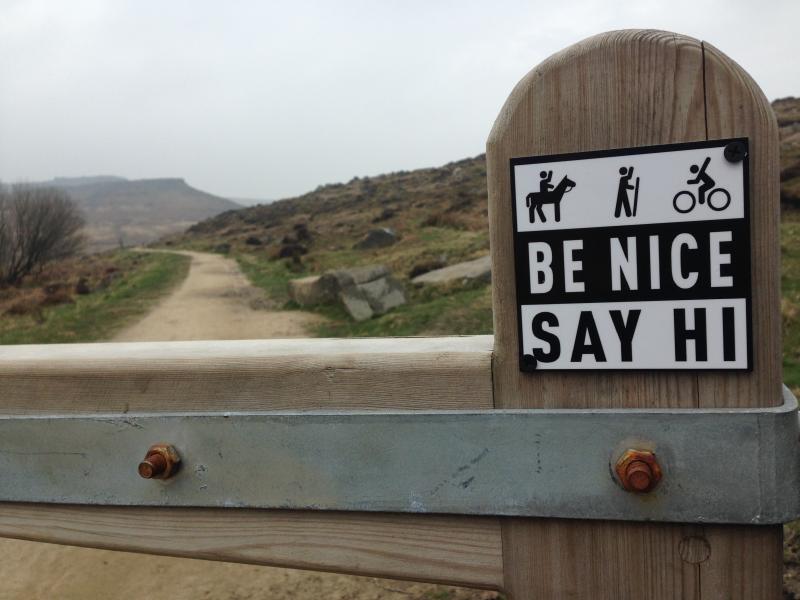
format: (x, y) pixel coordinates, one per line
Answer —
(214, 302)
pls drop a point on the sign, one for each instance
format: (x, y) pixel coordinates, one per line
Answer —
(634, 258)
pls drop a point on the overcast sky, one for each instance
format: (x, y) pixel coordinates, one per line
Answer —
(270, 99)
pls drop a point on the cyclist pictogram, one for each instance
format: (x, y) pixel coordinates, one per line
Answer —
(718, 198)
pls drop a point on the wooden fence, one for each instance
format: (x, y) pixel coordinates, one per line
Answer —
(619, 89)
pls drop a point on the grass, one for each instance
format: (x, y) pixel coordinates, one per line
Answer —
(429, 311)
(270, 275)
(99, 315)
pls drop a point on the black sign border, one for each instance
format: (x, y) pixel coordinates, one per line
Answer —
(526, 367)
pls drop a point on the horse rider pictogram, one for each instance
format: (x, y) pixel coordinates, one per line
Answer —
(548, 194)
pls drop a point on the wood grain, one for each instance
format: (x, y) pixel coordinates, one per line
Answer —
(413, 373)
(431, 548)
(627, 89)
(408, 373)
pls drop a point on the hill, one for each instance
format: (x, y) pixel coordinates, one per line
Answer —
(334, 216)
(787, 111)
(453, 196)
(131, 212)
(439, 218)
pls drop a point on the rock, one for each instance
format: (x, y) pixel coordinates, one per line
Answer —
(358, 275)
(292, 250)
(457, 176)
(82, 287)
(377, 238)
(222, 248)
(479, 269)
(253, 241)
(309, 291)
(426, 267)
(362, 291)
(356, 303)
(383, 294)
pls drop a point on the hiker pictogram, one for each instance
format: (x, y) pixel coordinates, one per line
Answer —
(548, 194)
(623, 199)
(718, 198)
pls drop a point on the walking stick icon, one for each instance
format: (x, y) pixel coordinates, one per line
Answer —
(636, 197)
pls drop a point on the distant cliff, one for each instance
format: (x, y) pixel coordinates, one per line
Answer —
(130, 212)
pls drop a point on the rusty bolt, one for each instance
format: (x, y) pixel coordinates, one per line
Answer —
(160, 462)
(638, 470)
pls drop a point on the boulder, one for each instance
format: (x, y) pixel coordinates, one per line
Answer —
(383, 294)
(426, 267)
(377, 238)
(479, 269)
(309, 291)
(362, 291)
(358, 275)
(356, 303)
(253, 241)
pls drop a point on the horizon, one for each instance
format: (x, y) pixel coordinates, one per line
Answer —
(187, 90)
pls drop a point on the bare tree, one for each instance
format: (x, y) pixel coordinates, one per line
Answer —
(37, 225)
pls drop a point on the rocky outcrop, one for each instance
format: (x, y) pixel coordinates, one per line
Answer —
(363, 291)
(479, 269)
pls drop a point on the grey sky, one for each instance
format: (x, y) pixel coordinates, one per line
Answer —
(270, 99)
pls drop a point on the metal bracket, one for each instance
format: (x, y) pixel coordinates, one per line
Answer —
(719, 466)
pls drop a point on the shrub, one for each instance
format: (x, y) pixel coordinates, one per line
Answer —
(37, 225)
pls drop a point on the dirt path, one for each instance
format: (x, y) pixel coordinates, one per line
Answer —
(214, 302)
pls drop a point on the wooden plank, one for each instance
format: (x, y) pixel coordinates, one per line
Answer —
(413, 374)
(296, 374)
(624, 89)
(437, 549)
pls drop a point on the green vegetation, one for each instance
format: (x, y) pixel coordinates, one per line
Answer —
(146, 277)
(271, 276)
(429, 311)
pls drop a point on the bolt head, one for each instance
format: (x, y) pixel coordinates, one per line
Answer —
(638, 471)
(160, 462)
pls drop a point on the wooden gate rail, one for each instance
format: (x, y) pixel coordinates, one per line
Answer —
(398, 373)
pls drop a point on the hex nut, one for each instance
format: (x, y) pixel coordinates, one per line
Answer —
(638, 471)
(160, 462)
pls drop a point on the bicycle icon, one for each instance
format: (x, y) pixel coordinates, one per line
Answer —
(685, 201)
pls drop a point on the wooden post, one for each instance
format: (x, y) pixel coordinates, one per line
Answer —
(627, 89)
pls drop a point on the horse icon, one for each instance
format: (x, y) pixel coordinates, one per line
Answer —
(548, 194)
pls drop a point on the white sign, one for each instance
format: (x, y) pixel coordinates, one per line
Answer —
(634, 259)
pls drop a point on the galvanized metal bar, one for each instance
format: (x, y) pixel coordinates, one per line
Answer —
(720, 466)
